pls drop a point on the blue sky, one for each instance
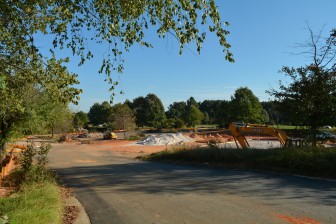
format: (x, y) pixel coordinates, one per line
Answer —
(263, 36)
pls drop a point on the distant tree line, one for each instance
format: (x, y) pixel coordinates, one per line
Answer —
(149, 111)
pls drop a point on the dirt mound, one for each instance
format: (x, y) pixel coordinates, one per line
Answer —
(165, 139)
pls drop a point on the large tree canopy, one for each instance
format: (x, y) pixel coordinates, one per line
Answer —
(155, 116)
(120, 24)
(101, 114)
(245, 106)
(73, 24)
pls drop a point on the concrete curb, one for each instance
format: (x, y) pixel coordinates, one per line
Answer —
(83, 217)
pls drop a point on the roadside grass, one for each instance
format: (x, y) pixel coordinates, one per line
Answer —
(38, 203)
(37, 198)
(317, 162)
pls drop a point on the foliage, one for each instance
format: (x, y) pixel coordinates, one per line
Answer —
(71, 24)
(217, 111)
(265, 117)
(118, 25)
(174, 123)
(245, 106)
(4, 219)
(100, 113)
(179, 123)
(31, 172)
(139, 107)
(24, 88)
(320, 162)
(193, 116)
(38, 199)
(80, 119)
(57, 117)
(27, 157)
(192, 102)
(176, 110)
(310, 97)
(123, 118)
(149, 111)
(155, 115)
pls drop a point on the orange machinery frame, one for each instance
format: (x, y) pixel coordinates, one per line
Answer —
(238, 133)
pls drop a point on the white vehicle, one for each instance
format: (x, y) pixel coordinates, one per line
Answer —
(326, 127)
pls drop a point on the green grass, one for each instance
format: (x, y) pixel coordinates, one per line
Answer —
(285, 127)
(34, 203)
(37, 200)
(319, 162)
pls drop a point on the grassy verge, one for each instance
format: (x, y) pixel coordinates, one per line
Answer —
(38, 199)
(34, 203)
(320, 162)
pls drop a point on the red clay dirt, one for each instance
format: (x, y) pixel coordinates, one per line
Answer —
(131, 147)
(297, 220)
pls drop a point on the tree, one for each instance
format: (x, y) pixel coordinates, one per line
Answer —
(176, 110)
(212, 109)
(139, 107)
(57, 116)
(155, 114)
(118, 24)
(310, 97)
(193, 116)
(123, 117)
(174, 123)
(149, 111)
(245, 106)
(18, 93)
(70, 24)
(265, 116)
(100, 114)
(80, 119)
(275, 116)
(192, 102)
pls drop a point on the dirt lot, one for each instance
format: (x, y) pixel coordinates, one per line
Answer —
(200, 140)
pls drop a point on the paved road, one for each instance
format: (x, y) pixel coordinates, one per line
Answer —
(114, 188)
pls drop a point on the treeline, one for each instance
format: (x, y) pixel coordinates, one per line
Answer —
(149, 111)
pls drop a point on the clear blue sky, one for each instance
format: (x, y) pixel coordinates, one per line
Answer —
(263, 36)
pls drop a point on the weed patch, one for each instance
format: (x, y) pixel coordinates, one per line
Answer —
(318, 162)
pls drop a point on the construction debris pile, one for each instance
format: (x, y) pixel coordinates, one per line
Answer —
(165, 139)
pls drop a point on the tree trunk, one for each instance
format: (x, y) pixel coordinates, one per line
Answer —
(52, 132)
(3, 139)
(124, 130)
(314, 132)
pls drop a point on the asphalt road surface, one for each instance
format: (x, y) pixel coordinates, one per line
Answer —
(115, 188)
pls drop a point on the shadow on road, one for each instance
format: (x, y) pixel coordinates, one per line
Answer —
(156, 178)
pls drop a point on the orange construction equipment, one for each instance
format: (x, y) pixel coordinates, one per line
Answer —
(238, 130)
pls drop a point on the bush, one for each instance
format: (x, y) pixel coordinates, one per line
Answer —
(31, 172)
